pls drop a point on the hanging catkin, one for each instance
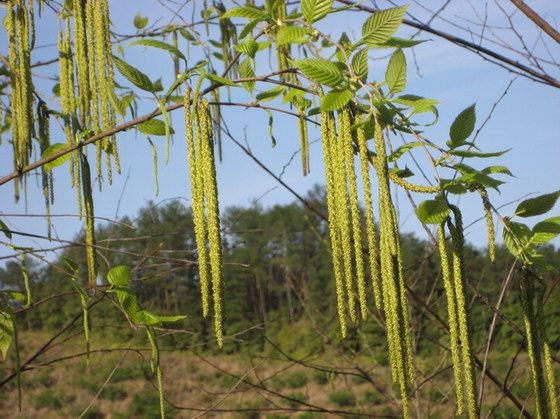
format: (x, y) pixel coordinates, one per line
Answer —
(458, 242)
(453, 322)
(304, 140)
(393, 289)
(370, 223)
(43, 135)
(90, 221)
(328, 137)
(19, 28)
(206, 141)
(197, 193)
(489, 222)
(206, 213)
(348, 150)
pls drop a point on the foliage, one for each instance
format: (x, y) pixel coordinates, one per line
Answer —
(322, 82)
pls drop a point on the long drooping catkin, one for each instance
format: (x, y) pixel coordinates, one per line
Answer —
(197, 193)
(370, 223)
(458, 242)
(43, 135)
(343, 219)
(489, 222)
(213, 212)
(328, 137)
(453, 322)
(345, 136)
(304, 141)
(81, 49)
(394, 293)
(90, 221)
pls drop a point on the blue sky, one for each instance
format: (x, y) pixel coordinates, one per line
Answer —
(526, 120)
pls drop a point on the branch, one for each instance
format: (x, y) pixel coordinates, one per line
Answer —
(537, 20)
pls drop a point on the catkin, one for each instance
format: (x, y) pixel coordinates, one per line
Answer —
(453, 323)
(197, 204)
(43, 134)
(304, 140)
(458, 242)
(90, 221)
(328, 137)
(370, 223)
(489, 223)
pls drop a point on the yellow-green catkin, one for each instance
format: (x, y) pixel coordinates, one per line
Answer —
(453, 322)
(546, 353)
(458, 242)
(81, 50)
(342, 205)
(19, 28)
(43, 135)
(213, 213)
(394, 292)
(197, 194)
(348, 149)
(412, 186)
(304, 140)
(489, 223)
(370, 223)
(328, 138)
(283, 52)
(90, 221)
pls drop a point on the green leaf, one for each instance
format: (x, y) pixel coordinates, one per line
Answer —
(129, 303)
(314, 10)
(222, 80)
(134, 75)
(545, 231)
(516, 236)
(432, 211)
(154, 127)
(335, 99)
(379, 27)
(397, 43)
(452, 186)
(70, 263)
(160, 45)
(248, 29)
(462, 127)
(270, 94)
(5, 229)
(7, 330)
(291, 35)
(249, 47)
(19, 296)
(537, 206)
(396, 72)
(478, 177)
(403, 149)
(418, 103)
(140, 22)
(53, 149)
(321, 71)
(497, 169)
(468, 153)
(119, 275)
(246, 70)
(247, 12)
(360, 64)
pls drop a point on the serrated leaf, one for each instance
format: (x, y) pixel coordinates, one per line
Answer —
(140, 22)
(248, 29)
(360, 64)
(403, 149)
(128, 302)
(418, 103)
(291, 35)
(119, 275)
(133, 75)
(160, 45)
(462, 127)
(154, 127)
(468, 153)
(6, 329)
(397, 43)
(246, 70)
(432, 211)
(516, 236)
(5, 230)
(19, 296)
(270, 94)
(452, 186)
(335, 100)
(537, 206)
(247, 12)
(321, 71)
(222, 80)
(497, 169)
(545, 231)
(53, 149)
(396, 72)
(314, 10)
(478, 177)
(249, 47)
(70, 263)
(379, 27)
